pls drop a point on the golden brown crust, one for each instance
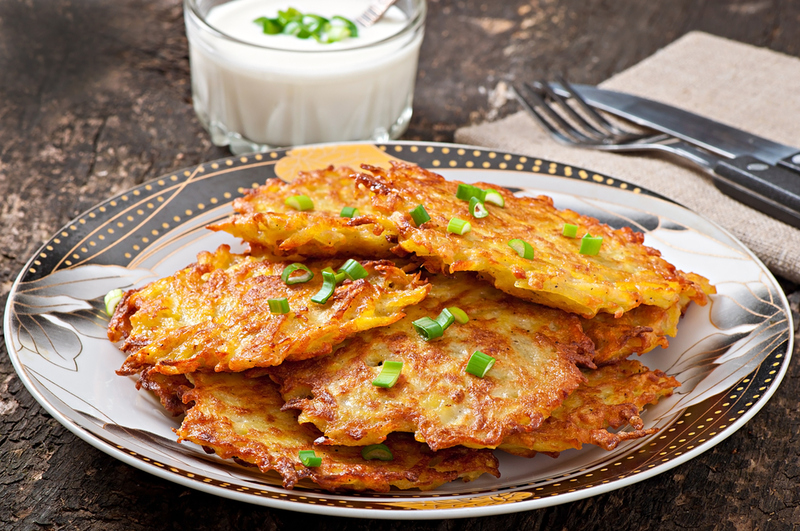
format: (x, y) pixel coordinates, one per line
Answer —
(624, 275)
(240, 418)
(297, 235)
(635, 332)
(214, 314)
(293, 235)
(610, 398)
(536, 349)
(639, 330)
(168, 388)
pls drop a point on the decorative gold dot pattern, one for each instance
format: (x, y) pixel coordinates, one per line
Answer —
(438, 157)
(143, 215)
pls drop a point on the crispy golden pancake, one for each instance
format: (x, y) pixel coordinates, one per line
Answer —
(536, 348)
(240, 417)
(214, 315)
(168, 388)
(321, 232)
(624, 275)
(611, 397)
(639, 330)
(635, 332)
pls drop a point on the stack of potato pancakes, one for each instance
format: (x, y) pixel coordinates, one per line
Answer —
(331, 370)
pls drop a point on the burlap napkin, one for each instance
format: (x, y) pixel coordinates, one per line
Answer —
(751, 88)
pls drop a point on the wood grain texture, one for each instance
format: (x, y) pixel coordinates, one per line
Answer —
(95, 98)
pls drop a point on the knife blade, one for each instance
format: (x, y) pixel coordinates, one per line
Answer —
(705, 133)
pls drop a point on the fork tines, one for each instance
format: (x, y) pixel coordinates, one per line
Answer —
(570, 120)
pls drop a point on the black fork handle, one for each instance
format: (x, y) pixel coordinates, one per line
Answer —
(764, 187)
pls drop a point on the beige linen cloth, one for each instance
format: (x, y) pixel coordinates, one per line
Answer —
(751, 88)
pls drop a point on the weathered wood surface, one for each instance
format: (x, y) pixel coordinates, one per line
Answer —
(95, 98)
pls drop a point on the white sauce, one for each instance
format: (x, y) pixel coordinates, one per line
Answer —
(279, 90)
(236, 20)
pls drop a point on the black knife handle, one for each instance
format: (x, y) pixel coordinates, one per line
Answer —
(766, 188)
(792, 162)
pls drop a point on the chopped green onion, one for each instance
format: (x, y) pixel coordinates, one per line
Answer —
(339, 275)
(328, 286)
(271, 26)
(354, 270)
(303, 277)
(570, 231)
(296, 28)
(419, 215)
(284, 17)
(427, 328)
(334, 34)
(445, 319)
(591, 245)
(390, 372)
(377, 451)
(309, 458)
(479, 364)
(314, 23)
(477, 209)
(523, 248)
(348, 212)
(460, 315)
(293, 22)
(466, 192)
(337, 20)
(493, 196)
(458, 226)
(300, 202)
(278, 305)
(111, 300)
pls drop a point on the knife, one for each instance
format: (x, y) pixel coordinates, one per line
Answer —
(718, 138)
(755, 171)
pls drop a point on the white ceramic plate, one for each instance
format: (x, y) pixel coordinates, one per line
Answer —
(729, 355)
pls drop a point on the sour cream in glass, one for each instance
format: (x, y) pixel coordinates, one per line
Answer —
(255, 91)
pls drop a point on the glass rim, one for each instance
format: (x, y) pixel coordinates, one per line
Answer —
(191, 9)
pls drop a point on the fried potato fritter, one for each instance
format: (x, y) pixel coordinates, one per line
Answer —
(635, 332)
(240, 417)
(322, 232)
(639, 330)
(624, 275)
(168, 388)
(611, 397)
(214, 314)
(536, 348)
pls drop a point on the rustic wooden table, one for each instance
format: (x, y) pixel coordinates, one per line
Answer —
(95, 98)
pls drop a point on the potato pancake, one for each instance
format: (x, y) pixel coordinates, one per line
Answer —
(241, 417)
(214, 314)
(635, 332)
(321, 232)
(624, 275)
(536, 348)
(639, 330)
(168, 388)
(611, 397)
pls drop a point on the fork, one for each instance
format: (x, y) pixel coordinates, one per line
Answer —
(374, 12)
(582, 126)
(589, 129)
